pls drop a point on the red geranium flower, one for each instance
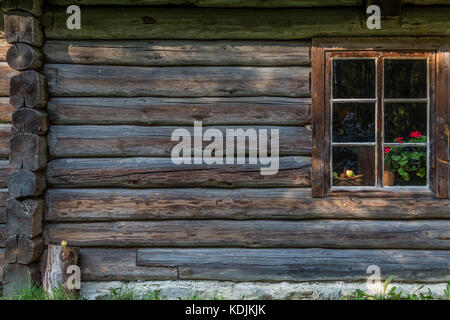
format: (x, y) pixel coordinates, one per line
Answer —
(399, 140)
(416, 134)
(387, 150)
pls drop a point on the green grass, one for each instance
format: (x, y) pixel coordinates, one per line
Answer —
(33, 292)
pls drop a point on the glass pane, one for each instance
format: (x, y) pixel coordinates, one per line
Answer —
(353, 122)
(353, 78)
(405, 78)
(405, 166)
(405, 122)
(353, 166)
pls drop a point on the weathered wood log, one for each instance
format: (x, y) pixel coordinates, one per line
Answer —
(5, 135)
(6, 110)
(4, 194)
(2, 235)
(4, 46)
(32, 6)
(213, 24)
(122, 141)
(17, 276)
(6, 73)
(161, 172)
(424, 234)
(179, 53)
(180, 111)
(226, 3)
(119, 265)
(31, 121)
(59, 258)
(73, 205)
(299, 264)
(22, 56)
(23, 27)
(24, 217)
(28, 89)
(5, 172)
(28, 151)
(21, 249)
(127, 81)
(25, 183)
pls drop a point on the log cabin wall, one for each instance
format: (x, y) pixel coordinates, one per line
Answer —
(122, 83)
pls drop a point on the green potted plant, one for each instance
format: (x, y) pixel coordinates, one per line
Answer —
(406, 163)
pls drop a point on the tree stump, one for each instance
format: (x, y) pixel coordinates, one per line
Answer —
(59, 258)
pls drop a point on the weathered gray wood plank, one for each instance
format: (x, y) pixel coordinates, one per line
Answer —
(73, 205)
(179, 53)
(6, 73)
(6, 110)
(5, 135)
(161, 172)
(4, 194)
(209, 24)
(114, 264)
(135, 141)
(223, 3)
(127, 81)
(299, 264)
(2, 235)
(180, 111)
(424, 234)
(2, 263)
(5, 172)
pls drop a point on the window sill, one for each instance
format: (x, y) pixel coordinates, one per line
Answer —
(387, 192)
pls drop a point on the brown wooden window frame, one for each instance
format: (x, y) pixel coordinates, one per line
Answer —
(437, 52)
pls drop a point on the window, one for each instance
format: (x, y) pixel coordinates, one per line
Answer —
(380, 118)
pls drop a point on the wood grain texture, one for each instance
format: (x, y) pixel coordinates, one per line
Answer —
(179, 53)
(6, 73)
(28, 151)
(113, 264)
(231, 24)
(161, 172)
(4, 194)
(28, 89)
(5, 135)
(25, 217)
(180, 111)
(299, 264)
(23, 27)
(6, 110)
(127, 81)
(223, 3)
(32, 6)
(5, 172)
(135, 141)
(4, 46)
(22, 56)
(2, 263)
(73, 205)
(2, 235)
(25, 183)
(425, 234)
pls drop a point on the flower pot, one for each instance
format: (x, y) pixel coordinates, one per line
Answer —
(389, 177)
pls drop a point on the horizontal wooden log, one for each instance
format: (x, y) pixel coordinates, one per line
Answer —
(4, 194)
(23, 27)
(179, 53)
(223, 3)
(24, 217)
(5, 135)
(25, 183)
(20, 249)
(180, 111)
(32, 6)
(29, 121)
(299, 264)
(28, 89)
(73, 205)
(119, 265)
(6, 110)
(424, 234)
(161, 172)
(6, 73)
(231, 24)
(22, 56)
(4, 46)
(134, 141)
(128, 81)
(5, 172)
(28, 151)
